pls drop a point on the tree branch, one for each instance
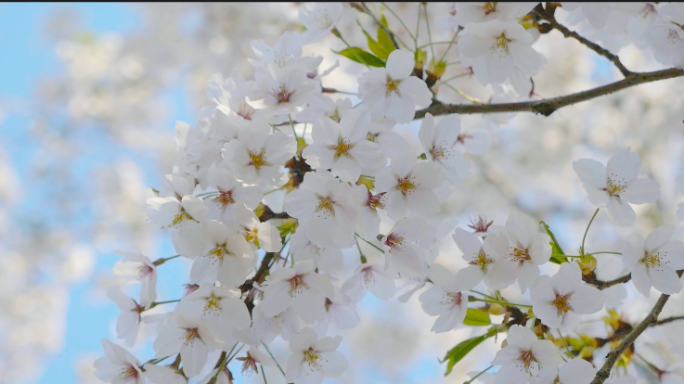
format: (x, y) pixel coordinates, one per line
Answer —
(548, 16)
(600, 284)
(612, 357)
(547, 106)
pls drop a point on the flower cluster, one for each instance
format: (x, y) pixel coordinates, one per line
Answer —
(277, 184)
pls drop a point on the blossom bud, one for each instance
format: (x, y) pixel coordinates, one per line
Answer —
(497, 309)
(587, 264)
(301, 144)
(435, 71)
(420, 58)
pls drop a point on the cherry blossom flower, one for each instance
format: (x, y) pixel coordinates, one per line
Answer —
(324, 207)
(466, 13)
(499, 51)
(129, 320)
(410, 187)
(655, 260)
(283, 89)
(327, 259)
(171, 211)
(220, 375)
(257, 157)
(596, 13)
(339, 315)
(575, 371)
(343, 147)
(261, 235)
(189, 336)
(253, 358)
(667, 41)
(118, 366)
(392, 91)
(439, 143)
(319, 19)
(218, 307)
(481, 257)
(230, 191)
(285, 324)
(136, 267)
(368, 221)
(527, 250)
(160, 374)
(402, 251)
(320, 106)
(446, 298)
(314, 358)
(525, 355)
(228, 259)
(616, 185)
(300, 287)
(555, 297)
(230, 95)
(475, 141)
(372, 278)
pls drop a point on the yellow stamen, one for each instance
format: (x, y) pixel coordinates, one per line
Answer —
(562, 304)
(257, 159)
(342, 148)
(405, 185)
(502, 42)
(325, 204)
(392, 85)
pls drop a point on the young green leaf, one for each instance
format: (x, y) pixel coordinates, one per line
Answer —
(376, 47)
(556, 251)
(477, 317)
(360, 56)
(385, 42)
(458, 352)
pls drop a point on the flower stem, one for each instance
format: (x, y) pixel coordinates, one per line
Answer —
(163, 302)
(504, 303)
(478, 375)
(587, 231)
(274, 359)
(427, 24)
(263, 374)
(164, 260)
(480, 293)
(369, 243)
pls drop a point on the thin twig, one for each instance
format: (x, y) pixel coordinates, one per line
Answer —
(548, 16)
(668, 320)
(600, 284)
(547, 106)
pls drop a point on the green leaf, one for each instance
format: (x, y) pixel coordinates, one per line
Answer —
(360, 56)
(557, 254)
(385, 42)
(458, 352)
(376, 47)
(477, 317)
(383, 20)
